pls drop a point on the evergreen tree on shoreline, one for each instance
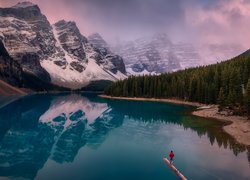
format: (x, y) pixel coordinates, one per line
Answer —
(222, 83)
(221, 99)
(248, 98)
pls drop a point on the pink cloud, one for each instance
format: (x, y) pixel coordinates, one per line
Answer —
(56, 10)
(227, 22)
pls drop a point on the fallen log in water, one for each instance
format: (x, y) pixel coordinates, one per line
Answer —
(173, 168)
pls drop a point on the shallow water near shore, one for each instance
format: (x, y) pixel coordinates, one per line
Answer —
(76, 136)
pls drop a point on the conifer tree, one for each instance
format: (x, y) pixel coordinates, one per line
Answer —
(224, 83)
(221, 99)
(248, 98)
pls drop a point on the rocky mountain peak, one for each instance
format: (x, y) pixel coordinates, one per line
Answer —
(24, 4)
(98, 42)
(161, 39)
(65, 23)
(110, 60)
(70, 38)
(96, 36)
(24, 10)
(70, 26)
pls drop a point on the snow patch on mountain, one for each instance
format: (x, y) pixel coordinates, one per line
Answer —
(69, 77)
(130, 71)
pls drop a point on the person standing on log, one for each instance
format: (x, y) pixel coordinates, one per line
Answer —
(171, 156)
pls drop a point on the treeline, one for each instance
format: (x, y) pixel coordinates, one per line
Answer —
(226, 83)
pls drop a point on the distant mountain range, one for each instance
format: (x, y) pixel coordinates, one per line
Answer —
(225, 83)
(54, 54)
(156, 54)
(37, 55)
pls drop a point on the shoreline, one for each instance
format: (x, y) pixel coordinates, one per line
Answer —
(239, 127)
(173, 101)
(6, 100)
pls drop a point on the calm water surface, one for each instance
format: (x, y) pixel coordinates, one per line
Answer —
(73, 136)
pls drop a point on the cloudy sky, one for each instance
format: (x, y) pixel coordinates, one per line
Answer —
(197, 21)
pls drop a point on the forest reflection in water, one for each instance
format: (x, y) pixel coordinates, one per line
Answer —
(41, 127)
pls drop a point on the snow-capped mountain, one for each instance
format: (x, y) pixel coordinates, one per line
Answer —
(156, 54)
(57, 54)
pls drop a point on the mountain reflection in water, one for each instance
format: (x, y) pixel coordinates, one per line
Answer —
(41, 127)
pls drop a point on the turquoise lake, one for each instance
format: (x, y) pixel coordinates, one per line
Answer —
(82, 136)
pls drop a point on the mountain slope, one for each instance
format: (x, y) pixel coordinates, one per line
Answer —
(10, 71)
(156, 54)
(111, 60)
(57, 54)
(7, 90)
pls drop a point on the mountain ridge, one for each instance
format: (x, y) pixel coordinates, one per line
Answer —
(57, 54)
(156, 54)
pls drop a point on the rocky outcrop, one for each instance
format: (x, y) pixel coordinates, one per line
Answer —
(99, 43)
(10, 70)
(31, 65)
(110, 60)
(24, 29)
(29, 75)
(71, 39)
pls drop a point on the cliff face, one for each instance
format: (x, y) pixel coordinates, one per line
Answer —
(112, 61)
(55, 55)
(10, 70)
